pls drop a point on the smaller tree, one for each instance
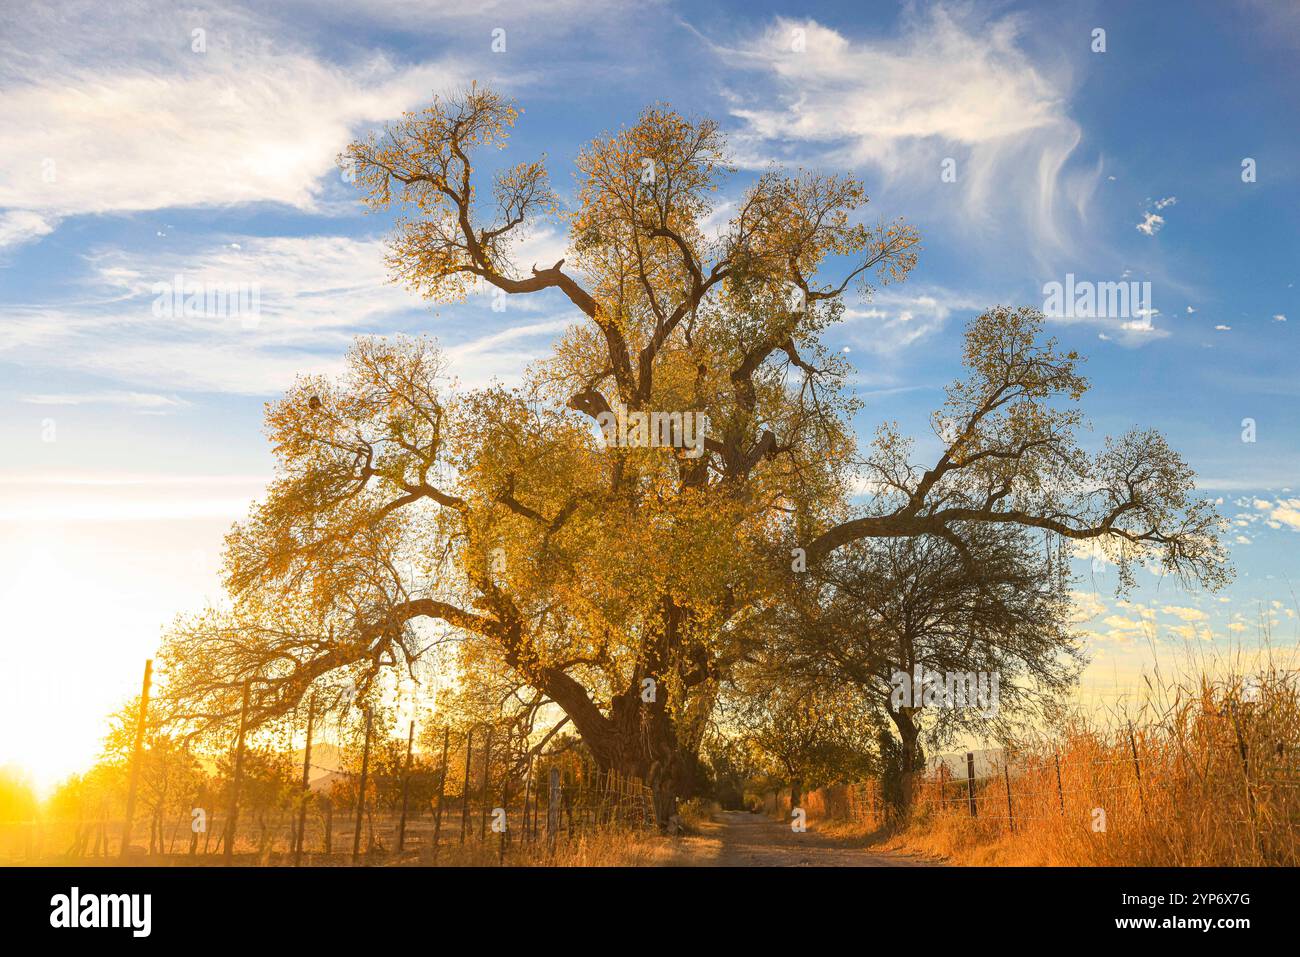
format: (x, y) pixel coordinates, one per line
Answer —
(17, 799)
(169, 773)
(895, 789)
(987, 610)
(806, 735)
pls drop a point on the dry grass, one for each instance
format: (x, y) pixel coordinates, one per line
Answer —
(1216, 782)
(613, 847)
(696, 812)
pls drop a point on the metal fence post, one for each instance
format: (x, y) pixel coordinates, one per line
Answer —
(1060, 793)
(970, 781)
(1137, 768)
(1006, 774)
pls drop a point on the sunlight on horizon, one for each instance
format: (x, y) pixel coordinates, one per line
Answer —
(89, 576)
(90, 581)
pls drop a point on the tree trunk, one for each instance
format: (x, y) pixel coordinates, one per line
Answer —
(909, 733)
(638, 738)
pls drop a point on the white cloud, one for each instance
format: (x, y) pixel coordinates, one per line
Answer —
(543, 14)
(1283, 511)
(20, 226)
(1151, 224)
(1186, 614)
(85, 129)
(951, 86)
(1142, 329)
(1085, 606)
(894, 320)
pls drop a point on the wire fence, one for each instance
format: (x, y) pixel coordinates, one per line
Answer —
(549, 800)
(1243, 801)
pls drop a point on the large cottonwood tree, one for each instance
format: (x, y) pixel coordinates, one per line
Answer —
(615, 581)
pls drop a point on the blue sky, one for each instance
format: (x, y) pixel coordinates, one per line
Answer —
(128, 156)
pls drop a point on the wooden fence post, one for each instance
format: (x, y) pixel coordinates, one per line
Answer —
(553, 807)
(406, 789)
(487, 790)
(361, 791)
(528, 788)
(200, 801)
(135, 756)
(505, 811)
(232, 819)
(537, 808)
(464, 791)
(442, 788)
(306, 783)
(970, 781)
(567, 798)
(327, 806)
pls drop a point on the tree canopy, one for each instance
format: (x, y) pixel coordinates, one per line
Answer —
(616, 581)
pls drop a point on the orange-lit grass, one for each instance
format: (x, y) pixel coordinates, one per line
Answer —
(1219, 768)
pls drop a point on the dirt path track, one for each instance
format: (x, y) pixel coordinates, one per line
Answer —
(739, 839)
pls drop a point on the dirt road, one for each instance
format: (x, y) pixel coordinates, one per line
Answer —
(739, 839)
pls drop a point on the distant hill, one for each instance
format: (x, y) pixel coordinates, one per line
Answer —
(325, 764)
(988, 762)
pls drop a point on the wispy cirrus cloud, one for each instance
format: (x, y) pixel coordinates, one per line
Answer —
(952, 86)
(141, 401)
(314, 294)
(895, 319)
